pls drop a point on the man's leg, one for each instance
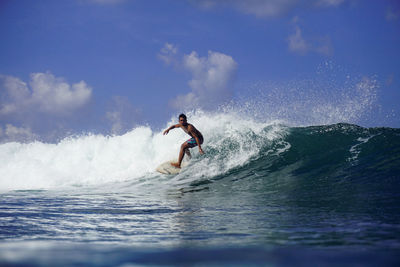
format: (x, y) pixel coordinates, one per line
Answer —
(184, 147)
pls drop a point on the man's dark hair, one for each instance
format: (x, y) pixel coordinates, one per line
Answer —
(182, 116)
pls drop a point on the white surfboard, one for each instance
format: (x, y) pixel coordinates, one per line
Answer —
(167, 168)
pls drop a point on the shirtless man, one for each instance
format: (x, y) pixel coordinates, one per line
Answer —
(196, 140)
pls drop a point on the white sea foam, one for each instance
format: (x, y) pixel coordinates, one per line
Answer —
(230, 141)
(355, 150)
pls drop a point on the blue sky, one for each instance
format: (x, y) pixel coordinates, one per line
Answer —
(106, 66)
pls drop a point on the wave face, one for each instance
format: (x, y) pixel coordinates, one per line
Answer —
(337, 167)
(342, 160)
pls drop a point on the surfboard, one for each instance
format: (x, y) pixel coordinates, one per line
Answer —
(167, 168)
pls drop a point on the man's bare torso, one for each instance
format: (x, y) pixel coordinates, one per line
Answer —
(189, 128)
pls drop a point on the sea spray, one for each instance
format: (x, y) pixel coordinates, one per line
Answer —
(331, 96)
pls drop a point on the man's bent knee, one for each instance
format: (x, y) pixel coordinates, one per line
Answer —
(184, 146)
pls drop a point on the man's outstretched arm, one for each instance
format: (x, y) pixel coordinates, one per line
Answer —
(170, 128)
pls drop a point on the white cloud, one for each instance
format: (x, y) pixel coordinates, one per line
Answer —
(116, 122)
(18, 95)
(267, 8)
(45, 93)
(328, 3)
(297, 43)
(13, 133)
(122, 115)
(259, 8)
(168, 53)
(212, 77)
(53, 95)
(262, 8)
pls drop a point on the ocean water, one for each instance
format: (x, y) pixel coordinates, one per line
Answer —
(264, 194)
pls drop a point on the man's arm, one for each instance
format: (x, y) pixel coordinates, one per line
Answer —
(198, 143)
(170, 128)
(190, 129)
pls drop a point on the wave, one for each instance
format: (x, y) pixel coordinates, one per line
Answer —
(235, 147)
(98, 159)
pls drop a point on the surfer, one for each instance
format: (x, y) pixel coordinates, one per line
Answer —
(196, 140)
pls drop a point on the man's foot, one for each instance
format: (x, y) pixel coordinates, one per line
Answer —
(176, 165)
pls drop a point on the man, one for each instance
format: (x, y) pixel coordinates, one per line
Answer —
(196, 140)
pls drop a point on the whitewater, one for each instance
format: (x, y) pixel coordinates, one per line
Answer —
(96, 159)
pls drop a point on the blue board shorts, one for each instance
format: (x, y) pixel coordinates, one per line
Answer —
(192, 142)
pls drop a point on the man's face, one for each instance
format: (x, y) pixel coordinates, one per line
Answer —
(182, 121)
